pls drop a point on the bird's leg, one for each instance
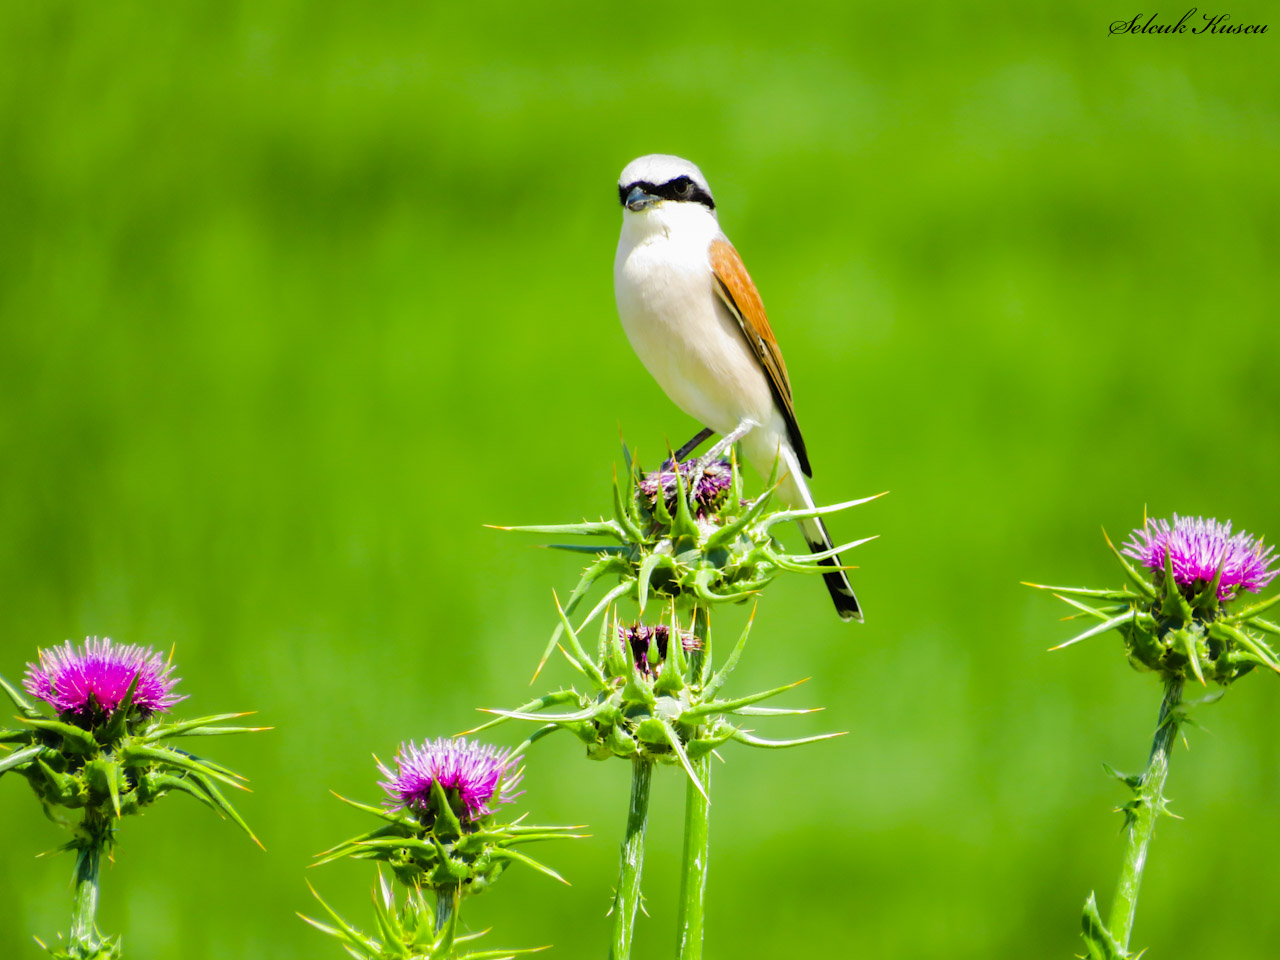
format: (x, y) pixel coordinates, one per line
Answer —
(745, 426)
(694, 443)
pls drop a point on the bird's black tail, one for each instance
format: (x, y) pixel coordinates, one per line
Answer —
(842, 595)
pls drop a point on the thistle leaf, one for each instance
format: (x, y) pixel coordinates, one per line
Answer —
(1207, 599)
(1139, 581)
(698, 710)
(1174, 603)
(542, 868)
(1189, 648)
(742, 736)
(134, 752)
(82, 740)
(783, 516)
(1131, 780)
(827, 554)
(673, 738)
(730, 531)
(25, 706)
(194, 728)
(589, 576)
(776, 711)
(684, 526)
(1258, 648)
(580, 657)
(1102, 613)
(643, 575)
(623, 515)
(19, 757)
(167, 781)
(207, 784)
(1264, 625)
(1064, 592)
(603, 549)
(718, 680)
(587, 528)
(557, 718)
(534, 705)
(1094, 631)
(1099, 942)
(1249, 612)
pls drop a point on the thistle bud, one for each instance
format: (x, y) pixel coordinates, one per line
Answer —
(645, 700)
(648, 646)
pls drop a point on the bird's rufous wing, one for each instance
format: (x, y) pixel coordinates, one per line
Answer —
(739, 294)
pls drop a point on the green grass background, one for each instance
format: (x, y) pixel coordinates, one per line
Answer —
(296, 296)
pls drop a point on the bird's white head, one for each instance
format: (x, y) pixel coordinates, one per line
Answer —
(659, 179)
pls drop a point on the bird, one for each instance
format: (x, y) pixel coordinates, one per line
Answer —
(695, 319)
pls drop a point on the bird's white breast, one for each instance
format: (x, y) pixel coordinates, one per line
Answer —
(684, 335)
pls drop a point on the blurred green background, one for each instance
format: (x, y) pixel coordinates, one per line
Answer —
(295, 297)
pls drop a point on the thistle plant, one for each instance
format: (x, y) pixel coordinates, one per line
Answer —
(1178, 617)
(107, 752)
(439, 836)
(651, 693)
(699, 547)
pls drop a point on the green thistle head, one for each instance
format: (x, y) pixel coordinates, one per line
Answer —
(650, 693)
(685, 533)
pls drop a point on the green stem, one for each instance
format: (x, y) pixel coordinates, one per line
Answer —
(1141, 825)
(627, 898)
(95, 837)
(697, 815)
(447, 897)
(697, 848)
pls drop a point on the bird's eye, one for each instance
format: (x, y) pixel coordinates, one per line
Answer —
(684, 187)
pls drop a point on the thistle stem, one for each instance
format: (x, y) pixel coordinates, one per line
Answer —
(631, 864)
(697, 817)
(447, 897)
(697, 848)
(95, 838)
(1149, 806)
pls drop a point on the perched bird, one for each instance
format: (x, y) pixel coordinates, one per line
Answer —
(694, 317)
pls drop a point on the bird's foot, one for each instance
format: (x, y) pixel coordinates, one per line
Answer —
(697, 469)
(693, 479)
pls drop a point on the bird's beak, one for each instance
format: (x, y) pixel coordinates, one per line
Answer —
(637, 199)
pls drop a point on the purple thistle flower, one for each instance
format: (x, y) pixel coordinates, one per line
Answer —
(475, 775)
(1197, 546)
(716, 479)
(639, 638)
(95, 678)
